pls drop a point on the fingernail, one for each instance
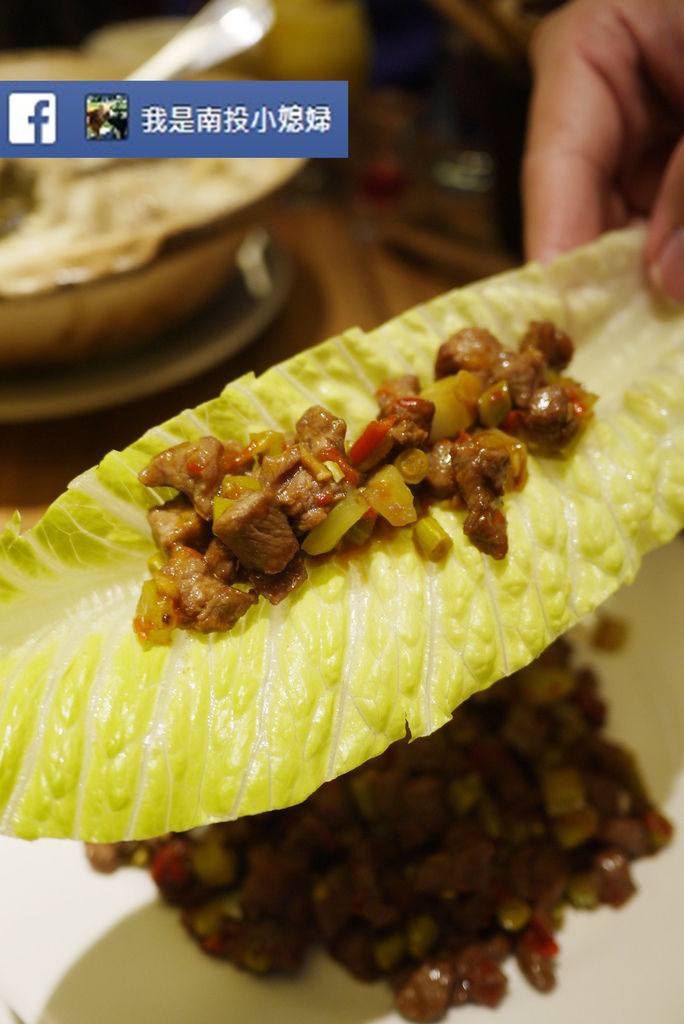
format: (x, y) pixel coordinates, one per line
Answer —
(667, 273)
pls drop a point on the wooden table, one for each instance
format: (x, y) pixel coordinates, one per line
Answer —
(338, 282)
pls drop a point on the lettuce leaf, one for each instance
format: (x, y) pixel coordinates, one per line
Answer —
(103, 738)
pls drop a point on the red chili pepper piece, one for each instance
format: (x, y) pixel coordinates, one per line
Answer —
(375, 432)
(194, 468)
(170, 868)
(512, 421)
(330, 454)
(539, 939)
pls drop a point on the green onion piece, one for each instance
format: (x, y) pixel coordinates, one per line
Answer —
(494, 404)
(582, 892)
(339, 519)
(562, 790)
(413, 464)
(431, 538)
(422, 933)
(513, 914)
(233, 484)
(389, 951)
(388, 494)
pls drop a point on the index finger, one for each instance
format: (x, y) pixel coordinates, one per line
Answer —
(575, 134)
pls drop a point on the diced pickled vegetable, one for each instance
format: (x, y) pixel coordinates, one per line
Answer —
(387, 493)
(431, 538)
(339, 519)
(360, 531)
(494, 404)
(562, 790)
(413, 464)
(572, 830)
(215, 864)
(155, 616)
(266, 442)
(464, 792)
(455, 399)
(389, 951)
(544, 684)
(422, 933)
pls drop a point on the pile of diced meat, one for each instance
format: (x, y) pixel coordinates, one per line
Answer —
(433, 863)
(221, 558)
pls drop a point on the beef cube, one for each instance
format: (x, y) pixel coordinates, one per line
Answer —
(177, 522)
(471, 348)
(523, 371)
(194, 468)
(221, 562)
(205, 603)
(555, 345)
(319, 429)
(257, 532)
(275, 587)
(390, 390)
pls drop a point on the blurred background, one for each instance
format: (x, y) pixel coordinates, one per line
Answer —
(427, 200)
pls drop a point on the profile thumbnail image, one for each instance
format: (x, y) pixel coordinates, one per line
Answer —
(106, 117)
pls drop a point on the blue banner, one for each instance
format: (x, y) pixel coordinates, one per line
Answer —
(173, 119)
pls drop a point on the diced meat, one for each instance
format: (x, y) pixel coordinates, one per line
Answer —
(203, 601)
(555, 345)
(221, 562)
(403, 386)
(304, 501)
(549, 422)
(276, 586)
(440, 479)
(471, 348)
(427, 993)
(319, 429)
(414, 419)
(194, 468)
(257, 532)
(523, 371)
(481, 473)
(177, 522)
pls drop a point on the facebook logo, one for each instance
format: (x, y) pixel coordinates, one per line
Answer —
(32, 118)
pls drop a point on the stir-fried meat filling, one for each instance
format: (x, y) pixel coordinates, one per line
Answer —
(177, 522)
(203, 601)
(195, 469)
(257, 532)
(434, 863)
(251, 509)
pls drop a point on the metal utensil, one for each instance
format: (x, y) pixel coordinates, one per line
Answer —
(220, 30)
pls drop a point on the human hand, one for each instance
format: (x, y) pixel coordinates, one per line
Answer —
(605, 144)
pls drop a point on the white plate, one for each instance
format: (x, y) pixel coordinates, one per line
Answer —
(247, 304)
(81, 948)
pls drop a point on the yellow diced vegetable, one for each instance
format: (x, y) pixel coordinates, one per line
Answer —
(388, 494)
(339, 519)
(455, 399)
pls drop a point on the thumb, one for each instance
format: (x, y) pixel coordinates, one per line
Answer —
(664, 250)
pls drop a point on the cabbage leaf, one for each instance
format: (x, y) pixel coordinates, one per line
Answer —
(104, 738)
